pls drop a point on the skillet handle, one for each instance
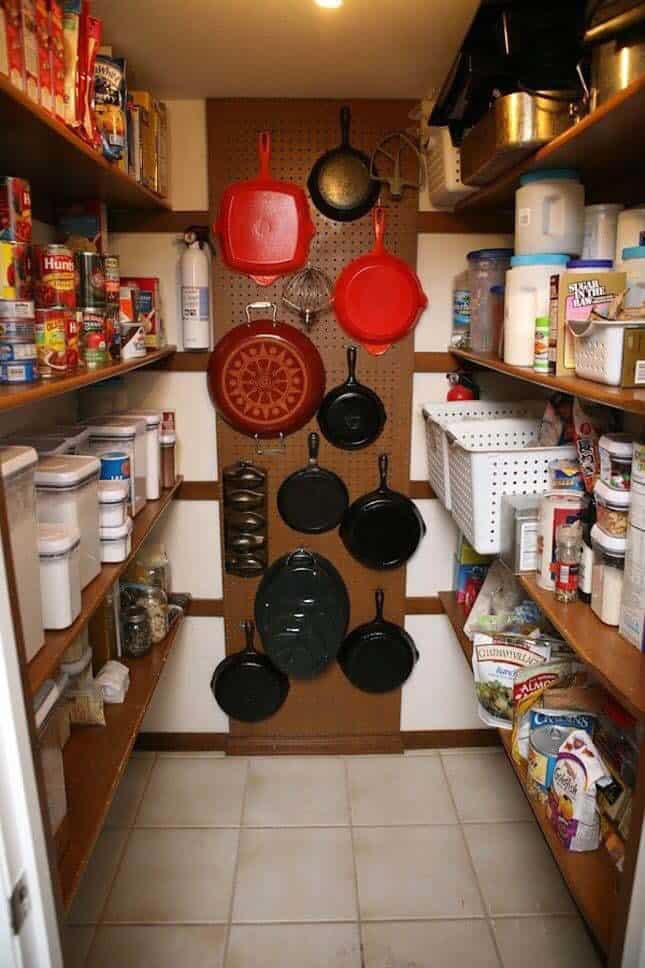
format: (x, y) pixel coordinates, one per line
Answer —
(382, 468)
(314, 447)
(380, 220)
(249, 633)
(264, 153)
(351, 364)
(261, 305)
(345, 121)
(379, 596)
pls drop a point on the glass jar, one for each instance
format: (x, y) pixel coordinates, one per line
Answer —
(137, 636)
(616, 452)
(607, 579)
(612, 508)
(167, 442)
(155, 601)
(151, 567)
(567, 565)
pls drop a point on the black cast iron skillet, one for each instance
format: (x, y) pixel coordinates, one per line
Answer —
(352, 415)
(339, 183)
(378, 656)
(382, 529)
(246, 685)
(313, 499)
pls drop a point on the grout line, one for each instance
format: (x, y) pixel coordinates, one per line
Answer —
(236, 864)
(354, 865)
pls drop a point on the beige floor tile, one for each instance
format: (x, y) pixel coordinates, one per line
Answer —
(485, 787)
(399, 790)
(159, 946)
(544, 943)
(196, 755)
(181, 876)
(295, 875)
(194, 792)
(516, 871)
(294, 946)
(429, 944)
(94, 887)
(76, 944)
(296, 792)
(128, 796)
(414, 872)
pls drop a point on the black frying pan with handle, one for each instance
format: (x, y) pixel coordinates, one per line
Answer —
(339, 183)
(313, 499)
(246, 685)
(382, 529)
(378, 656)
(352, 415)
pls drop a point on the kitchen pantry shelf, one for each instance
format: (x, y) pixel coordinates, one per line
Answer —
(44, 664)
(609, 139)
(591, 877)
(17, 395)
(95, 758)
(59, 166)
(633, 401)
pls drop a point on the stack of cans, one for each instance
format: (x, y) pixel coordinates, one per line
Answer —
(112, 299)
(90, 293)
(55, 295)
(18, 362)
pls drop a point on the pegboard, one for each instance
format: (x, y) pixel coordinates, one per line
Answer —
(301, 131)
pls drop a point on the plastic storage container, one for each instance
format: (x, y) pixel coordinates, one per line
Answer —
(168, 442)
(600, 230)
(116, 543)
(608, 574)
(599, 349)
(76, 434)
(632, 608)
(45, 445)
(47, 715)
(486, 269)
(630, 232)
(527, 298)
(60, 574)
(634, 266)
(612, 509)
(67, 493)
(126, 434)
(18, 465)
(113, 503)
(549, 212)
(152, 420)
(616, 453)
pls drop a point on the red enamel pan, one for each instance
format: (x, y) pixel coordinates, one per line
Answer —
(264, 225)
(377, 297)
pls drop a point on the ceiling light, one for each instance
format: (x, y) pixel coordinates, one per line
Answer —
(329, 4)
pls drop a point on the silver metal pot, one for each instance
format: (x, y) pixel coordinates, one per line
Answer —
(614, 66)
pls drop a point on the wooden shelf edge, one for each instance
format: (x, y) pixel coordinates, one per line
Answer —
(48, 658)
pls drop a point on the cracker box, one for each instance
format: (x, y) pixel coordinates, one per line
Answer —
(148, 308)
(30, 48)
(572, 297)
(44, 56)
(57, 54)
(149, 126)
(12, 27)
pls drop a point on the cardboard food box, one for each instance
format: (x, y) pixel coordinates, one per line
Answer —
(149, 123)
(634, 357)
(57, 51)
(44, 55)
(572, 296)
(163, 151)
(11, 23)
(148, 308)
(30, 49)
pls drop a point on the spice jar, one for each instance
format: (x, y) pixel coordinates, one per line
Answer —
(567, 564)
(155, 602)
(167, 443)
(608, 570)
(612, 507)
(616, 452)
(137, 637)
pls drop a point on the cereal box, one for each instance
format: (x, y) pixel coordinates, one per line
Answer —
(57, 54)
(29, 48)
(44, 55)
(13, 34)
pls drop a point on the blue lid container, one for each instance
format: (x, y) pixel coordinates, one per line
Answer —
(634, 252)
(550, 174)
(479, 255)
(540, 259)
(591, 263)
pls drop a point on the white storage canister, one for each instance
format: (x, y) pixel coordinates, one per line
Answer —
(630, 232)
(116, 543)
(608, 575)
(45, 445)
(549, 212)
(616, 455)
(18, 465)
(113, 501)
(527, 297)
(153, 458)
(60, 574)
(634, 266)
(601, 226)
(77, 436)
(67, 493)
(124, 434)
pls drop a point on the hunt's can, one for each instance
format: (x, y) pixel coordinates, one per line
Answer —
(51, 340)
(73, 338)
(544, 745)
(17, 330)
(54, 283)
(17, 352)
(93, 342)
(115, 466)
(17, 309)
(15, 271)
(24, 372)
(112, 279)
(90, 279)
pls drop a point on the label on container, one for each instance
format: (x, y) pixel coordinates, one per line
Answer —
(524, 217)
(528, 534)
(194, 303)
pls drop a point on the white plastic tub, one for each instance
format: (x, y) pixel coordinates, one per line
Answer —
(17, 465)
(116, 543)
(113, 503)
(526, 297)
(549, 212)
(60, 574)
(76, 434)
(599, 349)
(634, 266)
(67, 493)
(601, 226)
(152, 420)
(45, 445)
(126, 434)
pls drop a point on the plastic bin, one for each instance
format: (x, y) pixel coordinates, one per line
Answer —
(486, 270)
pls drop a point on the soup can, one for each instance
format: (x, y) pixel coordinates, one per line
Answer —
(17, 330)
(73, 338)
(90, 279)
(17, 309)
(26, 371)
(17, 352)
(51, 340)
(115, 466)
(54, 279)
(544, 745)
(112, 279)
(15, 271)
(93, 342)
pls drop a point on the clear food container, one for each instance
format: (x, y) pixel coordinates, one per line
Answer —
(113, 500)
(612, 509)
(127, 434)
(616, 453)
(116, 543)
(608, 573)
(136, 634)
(60, 574)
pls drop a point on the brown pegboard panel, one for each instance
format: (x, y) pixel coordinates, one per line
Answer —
(300, 132)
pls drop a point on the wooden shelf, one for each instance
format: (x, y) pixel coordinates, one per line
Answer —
(47, 660)
(95, 758)
(618, 664)
(17, 395)
(633, 401)
(609, 141)
(59, 166)
(591, 877)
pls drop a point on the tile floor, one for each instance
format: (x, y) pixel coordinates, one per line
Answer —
(428, 860)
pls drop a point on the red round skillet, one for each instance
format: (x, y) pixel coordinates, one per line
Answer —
(266, 378)
(264, 225)
(377, 297)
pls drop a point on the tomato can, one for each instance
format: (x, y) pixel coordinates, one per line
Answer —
(73, 325)
(51, 341)
(17, 330)
(54, 276)
(23, 372)
(15, 209)
(112, 279)
(15, 271)
(16, 352)
(17, 309)
(90, 279)
(94, 351)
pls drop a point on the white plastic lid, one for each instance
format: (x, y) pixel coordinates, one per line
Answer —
(56, 539)
(66, 470)
(43, 443)
(118, 533)
(620, 445)
(113, 492)
(607, 542)
(613, 497)
(167, 438)
(151, 417)
(118, 427)
(14, 459)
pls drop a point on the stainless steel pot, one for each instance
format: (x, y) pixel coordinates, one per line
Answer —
(614, 66)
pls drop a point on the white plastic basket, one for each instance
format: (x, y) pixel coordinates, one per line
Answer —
(489, 458)
(437, 415)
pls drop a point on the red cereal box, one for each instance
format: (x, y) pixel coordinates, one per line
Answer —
(57, 52)
(13, 31)
(15, 209)
(44, 55)
(29, 48)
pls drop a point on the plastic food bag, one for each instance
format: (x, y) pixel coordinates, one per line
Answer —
(110, 101)
(71, 28)
(496, 659)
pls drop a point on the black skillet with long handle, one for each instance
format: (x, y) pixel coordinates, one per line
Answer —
(246, 685)
(351, 415)
(382, 529)
(378, 656)
(340, 183)
(313, 499)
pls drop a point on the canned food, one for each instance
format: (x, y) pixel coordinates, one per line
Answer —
(112, 272)
(115, 466)
(17, 330)
(17, 352)
(17, 309)
(54, 276)
(15, 271)
(15, 209)
(73, 338)
(24, 372)
(544, 745)
(93, 342)
(90, 279)
(51, 340)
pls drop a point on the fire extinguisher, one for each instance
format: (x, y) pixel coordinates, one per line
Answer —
(195, 289)
(462, 387)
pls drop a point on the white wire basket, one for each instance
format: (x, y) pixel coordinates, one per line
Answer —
(489, 458)
(437, 415)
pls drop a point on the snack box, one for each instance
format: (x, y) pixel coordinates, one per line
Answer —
(30, 49)
(148, 308)
(11, 59)
(57, 53)
(149, 126)
(572, 297)
(15, 209)
(43, 36)
(88, 220)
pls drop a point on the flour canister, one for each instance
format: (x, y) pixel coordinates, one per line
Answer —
(527, 298)
(630, 230)
(549, 212)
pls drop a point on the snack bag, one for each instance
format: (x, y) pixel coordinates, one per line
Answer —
(496, 660)
(110, 100)
(571, 806)
(89, 42)
(71, 28)
(57, 51)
